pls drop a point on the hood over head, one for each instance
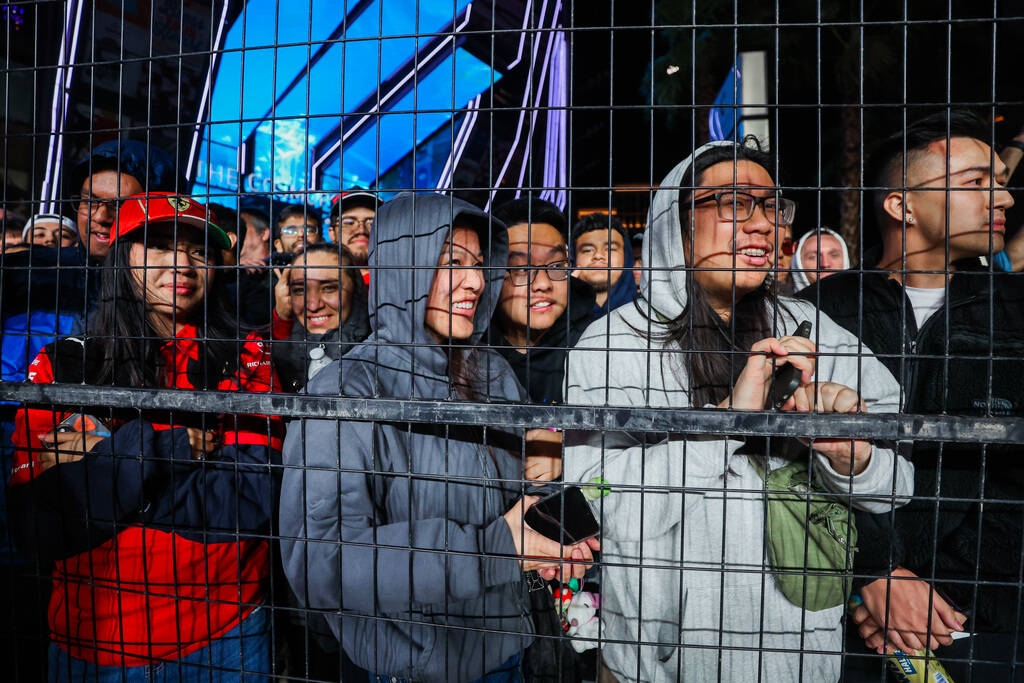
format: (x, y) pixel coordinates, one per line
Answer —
(800, 280)
(408, 234)
(663, 281)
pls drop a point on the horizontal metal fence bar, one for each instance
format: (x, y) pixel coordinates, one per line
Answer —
(896, 427)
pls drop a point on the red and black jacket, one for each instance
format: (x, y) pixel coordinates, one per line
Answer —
(156, 554)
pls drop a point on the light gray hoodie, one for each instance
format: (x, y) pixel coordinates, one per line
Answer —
(797, 266)
(686, 591)
(394, 528)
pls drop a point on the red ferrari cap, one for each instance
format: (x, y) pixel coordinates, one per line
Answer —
(166, 207)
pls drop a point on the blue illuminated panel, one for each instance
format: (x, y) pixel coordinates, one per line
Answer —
(253, 74)
(413, 116)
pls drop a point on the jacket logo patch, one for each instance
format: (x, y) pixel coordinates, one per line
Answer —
(999, 406)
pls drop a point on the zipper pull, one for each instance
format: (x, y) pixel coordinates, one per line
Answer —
(318, 360)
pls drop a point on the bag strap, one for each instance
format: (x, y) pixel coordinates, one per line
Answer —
(760, 466)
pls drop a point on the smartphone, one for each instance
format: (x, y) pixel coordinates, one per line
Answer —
(564, 516)
(786, 378)
(80, 422)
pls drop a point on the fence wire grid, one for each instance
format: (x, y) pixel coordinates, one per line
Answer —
(463, 340)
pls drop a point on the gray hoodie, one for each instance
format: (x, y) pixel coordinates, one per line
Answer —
(686, 591)
(398, 528)
(797, 267)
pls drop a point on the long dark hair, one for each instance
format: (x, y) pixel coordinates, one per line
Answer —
(715, 350)
(128, 346)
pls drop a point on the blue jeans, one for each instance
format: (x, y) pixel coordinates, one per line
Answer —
(509, 672)
(245, 648)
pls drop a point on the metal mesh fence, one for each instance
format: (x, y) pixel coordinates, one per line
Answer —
(466, 340)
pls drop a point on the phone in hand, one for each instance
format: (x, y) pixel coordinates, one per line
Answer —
(786, 378)
(564, 516)
(80, 422)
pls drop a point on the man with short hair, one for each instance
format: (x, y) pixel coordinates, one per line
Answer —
(297, 226)
(256, 279)
(952, 332)
(599, 255)
(112, 171)
(542, 311)
(255, 211)
(351, 222)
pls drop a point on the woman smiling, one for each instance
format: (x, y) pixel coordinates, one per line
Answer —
(156, 520)
(411, 536)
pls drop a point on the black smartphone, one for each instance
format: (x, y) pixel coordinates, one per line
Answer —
(564, 516)
(786, 378)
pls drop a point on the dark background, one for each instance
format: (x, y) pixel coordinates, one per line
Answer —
(845, 73)
(842, 75)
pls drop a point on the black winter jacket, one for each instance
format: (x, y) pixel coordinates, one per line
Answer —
(293, 344)
(967, 359)
(541, 370)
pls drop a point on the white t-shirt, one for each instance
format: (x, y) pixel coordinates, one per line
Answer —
(925, 301)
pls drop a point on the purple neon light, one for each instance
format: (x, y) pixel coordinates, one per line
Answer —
(555, 134)
(540, 93)
(563, 175)
(461, 140)
(61, 84)
(201, 116)
(551, 130)
(522, 114)
(522, 34)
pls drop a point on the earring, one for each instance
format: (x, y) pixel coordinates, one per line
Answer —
(910, 219)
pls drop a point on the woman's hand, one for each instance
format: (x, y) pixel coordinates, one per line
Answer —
(282, 293)
(846, 455)
(543, 455)
(201, 442)
(767, 355)
(64, 447)
(542, 554)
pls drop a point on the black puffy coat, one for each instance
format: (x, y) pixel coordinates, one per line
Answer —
(972, 365)
(541, 370)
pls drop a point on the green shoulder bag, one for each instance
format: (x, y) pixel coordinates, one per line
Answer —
(811, 537)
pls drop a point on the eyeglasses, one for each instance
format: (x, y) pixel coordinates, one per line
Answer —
(92, 205)
(525, 275)
(352, 222)
(292, 230)
(739, 206)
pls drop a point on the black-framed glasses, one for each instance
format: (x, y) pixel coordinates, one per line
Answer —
(93, 204)
(556, 271)
(739, 206)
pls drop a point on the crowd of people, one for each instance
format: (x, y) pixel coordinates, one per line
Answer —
(189, 545)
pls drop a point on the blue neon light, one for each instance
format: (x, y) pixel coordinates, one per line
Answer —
(251, 80)
(417, 114)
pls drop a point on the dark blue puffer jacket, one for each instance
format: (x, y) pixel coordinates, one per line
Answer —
(396, 530)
